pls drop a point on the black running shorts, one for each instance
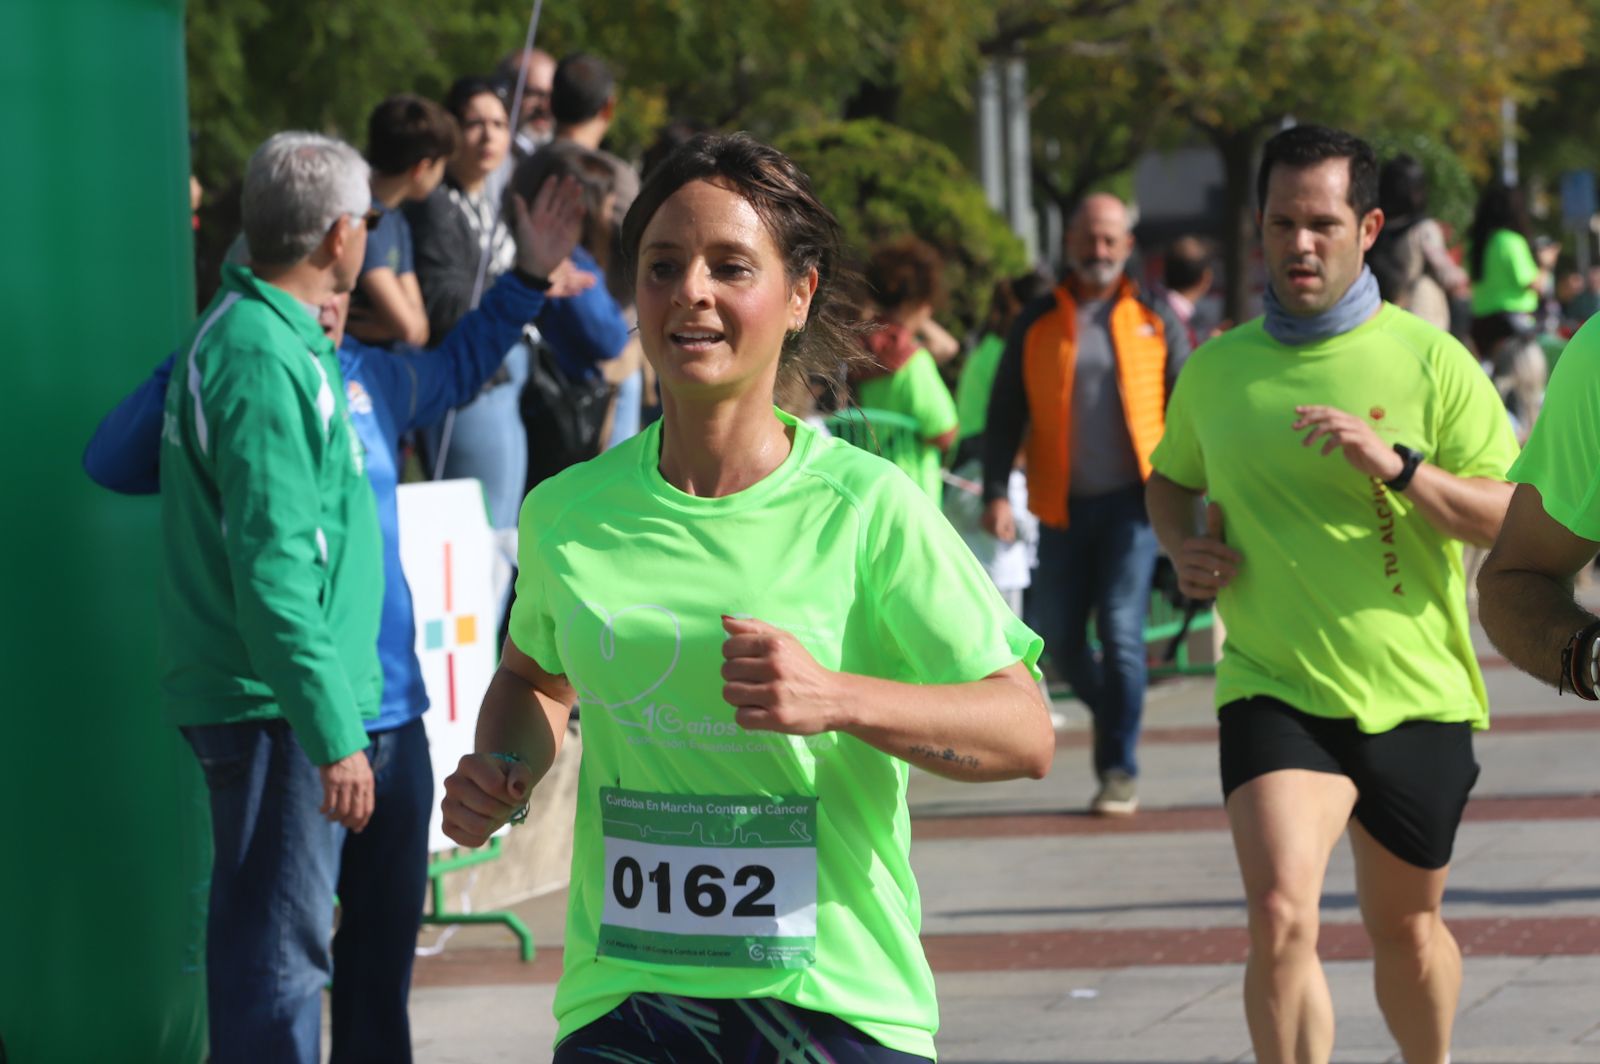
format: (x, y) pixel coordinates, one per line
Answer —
(1412, 781)
(668, 1029)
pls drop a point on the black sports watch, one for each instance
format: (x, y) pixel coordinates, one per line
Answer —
(1412, 460)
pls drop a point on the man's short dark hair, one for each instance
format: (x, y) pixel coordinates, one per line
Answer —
(1300, 147)
(1186, 263)
(580, 89)
(404, 130)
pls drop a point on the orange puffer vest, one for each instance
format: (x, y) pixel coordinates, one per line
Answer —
(1049, 357)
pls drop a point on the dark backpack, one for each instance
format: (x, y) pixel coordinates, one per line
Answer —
(563, 416)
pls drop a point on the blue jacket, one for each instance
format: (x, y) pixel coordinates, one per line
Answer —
(389, 394)
(606, 333)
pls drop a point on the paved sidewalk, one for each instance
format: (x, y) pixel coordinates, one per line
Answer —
(1058, 937)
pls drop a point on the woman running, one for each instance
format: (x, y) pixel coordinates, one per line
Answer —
(764, 626)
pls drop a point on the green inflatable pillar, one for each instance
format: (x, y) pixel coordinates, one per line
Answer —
(104, 837)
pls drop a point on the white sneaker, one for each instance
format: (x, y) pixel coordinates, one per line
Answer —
(1118, 795)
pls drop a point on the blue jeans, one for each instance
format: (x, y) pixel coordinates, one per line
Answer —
(1103, 564)
(487, 441)
(383, 881)
(272, 883)
(626, 412)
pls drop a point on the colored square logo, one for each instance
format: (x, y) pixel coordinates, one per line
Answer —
(466, 631)
(433, 635)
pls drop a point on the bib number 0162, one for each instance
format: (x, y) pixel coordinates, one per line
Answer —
(707, 881)
(702, 888)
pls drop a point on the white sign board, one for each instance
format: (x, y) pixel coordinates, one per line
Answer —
(458, 575)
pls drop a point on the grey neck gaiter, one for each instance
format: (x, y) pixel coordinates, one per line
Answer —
(1358, 304)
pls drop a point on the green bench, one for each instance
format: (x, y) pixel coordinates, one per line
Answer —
(454, 860)
(883, 432)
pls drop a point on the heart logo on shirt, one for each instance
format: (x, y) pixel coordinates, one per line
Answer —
(633, 657)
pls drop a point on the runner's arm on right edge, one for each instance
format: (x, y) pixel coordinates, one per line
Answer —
(1525, 587)
(524, 716)
(1205, 562)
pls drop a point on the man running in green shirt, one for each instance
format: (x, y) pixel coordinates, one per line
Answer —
(1347, 448)
(1525, 593)
(271, 592)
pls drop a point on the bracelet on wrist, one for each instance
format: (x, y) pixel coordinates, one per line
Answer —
(532, 280)
(1580, 664)
(520, 815)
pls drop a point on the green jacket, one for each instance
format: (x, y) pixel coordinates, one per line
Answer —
(273, 581)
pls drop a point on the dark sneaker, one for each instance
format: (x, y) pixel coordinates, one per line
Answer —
(1118, 795)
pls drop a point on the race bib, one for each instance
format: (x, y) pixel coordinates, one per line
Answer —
(726, 882)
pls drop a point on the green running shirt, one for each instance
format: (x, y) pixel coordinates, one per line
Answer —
(917, 391)
(1508, 269)
(713, 862)
(1562, 458)
(1348, 602)
(977, 381)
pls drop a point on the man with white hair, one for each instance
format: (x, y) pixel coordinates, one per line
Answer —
(271, 593)
(535, 124)
(1087, 371)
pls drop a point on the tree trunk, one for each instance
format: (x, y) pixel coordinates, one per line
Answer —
(1238, 150)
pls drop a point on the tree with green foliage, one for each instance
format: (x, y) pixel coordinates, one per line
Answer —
(1114, 78)
(1452, 194)
(1561, 129)
(1372, 65)
(257, 67)
(884, 182)
(1111, 78)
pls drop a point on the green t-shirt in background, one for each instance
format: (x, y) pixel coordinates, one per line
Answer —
(977, 381)
(1508, 269)
(1562, 458)
(1348, 602)
(916, 391)
(622, 586)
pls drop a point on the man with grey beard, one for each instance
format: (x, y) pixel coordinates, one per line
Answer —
(1086, 372)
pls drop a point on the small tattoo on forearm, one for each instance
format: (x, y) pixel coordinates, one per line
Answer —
(948, 755)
